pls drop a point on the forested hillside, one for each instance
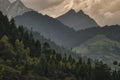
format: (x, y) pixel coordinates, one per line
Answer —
(24, 58)
(100, 47)
(59, 49)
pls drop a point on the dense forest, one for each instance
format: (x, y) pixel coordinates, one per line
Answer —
(24, 58)
(59, 49)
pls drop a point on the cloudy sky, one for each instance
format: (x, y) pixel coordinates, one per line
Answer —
(103, 11)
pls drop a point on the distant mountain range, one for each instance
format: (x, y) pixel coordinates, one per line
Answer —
(61, 34)
(57, 48)
(75, 31)
(77, 20)
(100, 47)
(48, 27)
(13, 9)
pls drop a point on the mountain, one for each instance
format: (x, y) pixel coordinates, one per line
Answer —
(4, 4)
(48, 27)
(112, 32)
(24, 58)
(56, 47)
(100, 47)
(61, 34)
(13, 9)
(17, 8)
(77, 20)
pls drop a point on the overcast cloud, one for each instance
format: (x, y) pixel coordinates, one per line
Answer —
(103, 11)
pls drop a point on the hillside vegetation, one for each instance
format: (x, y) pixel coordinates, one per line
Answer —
(24, 58)
(100, 47)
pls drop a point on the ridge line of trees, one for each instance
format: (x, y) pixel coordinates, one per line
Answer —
(24, 58)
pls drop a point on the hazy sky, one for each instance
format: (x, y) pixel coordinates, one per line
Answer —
(103, 11)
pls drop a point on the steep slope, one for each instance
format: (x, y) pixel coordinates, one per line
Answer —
(48, 27)
(58, 48)
(17, 8)
(78, 20)
(112, 32)
(24, 58)
(63, 35)
(4, 4)
(100, 47)
(13, 9)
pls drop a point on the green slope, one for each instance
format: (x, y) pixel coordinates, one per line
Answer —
(100, 47)
(59, 49)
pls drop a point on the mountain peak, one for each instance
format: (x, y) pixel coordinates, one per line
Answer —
(13, 8)
(4, 4)
(18, 3)
(77, 20)
(81, 12)
(71, 11)
(17, 8)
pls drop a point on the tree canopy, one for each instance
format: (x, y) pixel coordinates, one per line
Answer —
(24, 58)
